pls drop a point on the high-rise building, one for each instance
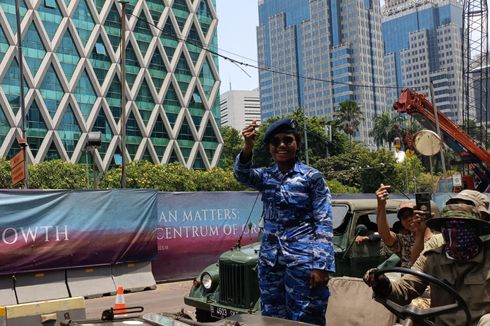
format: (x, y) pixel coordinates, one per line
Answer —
(422, 44)
(316, 54)
(72, 78)
(240, 108)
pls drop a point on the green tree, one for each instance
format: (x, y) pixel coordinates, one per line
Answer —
(216, 180)
(143, 174)
(336, 187)
(340, 142)
(57, 174)
(346, 167)
(315, 133)
(233, 144)
(386, 127)
(380, 169)
(407, 173)
(423, 182)
(348, 117)
(5, 174)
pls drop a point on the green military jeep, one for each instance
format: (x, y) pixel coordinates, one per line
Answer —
(230, 286)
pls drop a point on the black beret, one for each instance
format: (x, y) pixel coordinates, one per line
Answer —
(284, 125)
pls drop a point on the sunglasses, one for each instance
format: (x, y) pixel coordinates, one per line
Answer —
(287, 140)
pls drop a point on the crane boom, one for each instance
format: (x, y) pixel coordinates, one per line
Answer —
(470, 152)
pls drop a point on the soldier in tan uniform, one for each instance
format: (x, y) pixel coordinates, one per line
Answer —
(463, 263)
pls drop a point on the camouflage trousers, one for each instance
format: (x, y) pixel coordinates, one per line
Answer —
(285, 293)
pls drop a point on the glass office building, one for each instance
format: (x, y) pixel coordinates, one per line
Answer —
(72, 81)
(316, 54)
(422, 44)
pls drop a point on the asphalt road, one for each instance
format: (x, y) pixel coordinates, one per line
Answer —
(168, 297)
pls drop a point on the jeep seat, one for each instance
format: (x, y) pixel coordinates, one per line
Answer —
(351, 304)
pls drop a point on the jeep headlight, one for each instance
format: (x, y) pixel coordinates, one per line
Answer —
(207, 281)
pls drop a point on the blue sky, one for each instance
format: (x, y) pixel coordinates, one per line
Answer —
(237, 24)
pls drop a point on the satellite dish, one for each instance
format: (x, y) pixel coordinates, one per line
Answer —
(427, 142)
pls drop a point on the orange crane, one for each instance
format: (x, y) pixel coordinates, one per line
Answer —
(460, 142)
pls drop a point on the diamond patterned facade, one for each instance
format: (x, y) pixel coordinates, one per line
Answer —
(72, 85)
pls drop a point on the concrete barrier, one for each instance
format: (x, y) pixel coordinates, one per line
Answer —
(45, 313)
(134, 277)
(7, 292)
(90, 282)
(40, 286)
(3, 316)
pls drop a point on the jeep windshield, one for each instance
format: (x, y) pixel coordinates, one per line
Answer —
(339, 213)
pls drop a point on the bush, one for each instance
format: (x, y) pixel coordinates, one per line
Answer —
(338, 188)
(217, 180)
(146, 175)
(5, 174)
(57, 174)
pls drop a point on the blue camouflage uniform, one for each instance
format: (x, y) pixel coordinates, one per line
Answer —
(297, 238)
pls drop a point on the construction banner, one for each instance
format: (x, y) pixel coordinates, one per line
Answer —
(194, 228)
(45, 230)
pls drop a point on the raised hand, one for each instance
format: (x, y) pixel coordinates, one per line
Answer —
(249, 133)
(383, 193)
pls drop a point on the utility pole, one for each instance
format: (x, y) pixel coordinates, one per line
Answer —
(306, 139)
(328, 130)
(438, 129)
(122, 120)
(23, 141)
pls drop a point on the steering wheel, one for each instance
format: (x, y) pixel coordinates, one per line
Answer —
(418, 315)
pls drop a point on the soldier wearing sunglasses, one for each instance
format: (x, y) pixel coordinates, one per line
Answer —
(297, 252)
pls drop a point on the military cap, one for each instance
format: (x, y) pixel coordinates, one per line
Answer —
(461, 212)
(283, 125)
(473, 197)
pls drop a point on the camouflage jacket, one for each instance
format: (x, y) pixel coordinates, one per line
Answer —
(297, 214)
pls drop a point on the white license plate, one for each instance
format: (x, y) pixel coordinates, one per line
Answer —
(220, 312)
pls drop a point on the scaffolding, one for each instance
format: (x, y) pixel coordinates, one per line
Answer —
(475, 70)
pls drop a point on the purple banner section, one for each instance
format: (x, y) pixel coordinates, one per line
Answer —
(194, 228)
(46, 230)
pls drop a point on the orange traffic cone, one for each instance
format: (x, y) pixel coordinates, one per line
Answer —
(120, 305)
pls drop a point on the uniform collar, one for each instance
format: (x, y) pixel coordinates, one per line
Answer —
(298, 167)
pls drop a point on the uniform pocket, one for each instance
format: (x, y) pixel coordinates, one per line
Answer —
(478, 278)
(477, 285)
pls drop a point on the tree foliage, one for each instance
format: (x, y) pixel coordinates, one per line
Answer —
(57, 174)
(336, 187)
(386, 127)
(348, 117)
(346, 167)
(365, 170)
(216, 180)
(171, 177)
(5, 178)
(233, 144)
(145, 175)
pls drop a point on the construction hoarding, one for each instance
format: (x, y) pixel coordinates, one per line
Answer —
(46, 230)
(194, 228)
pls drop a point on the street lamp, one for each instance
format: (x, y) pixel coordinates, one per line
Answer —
(123, 92)
(94, 140)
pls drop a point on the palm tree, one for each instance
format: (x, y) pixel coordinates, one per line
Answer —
(386, 128)
(382, 126)
(348, 117)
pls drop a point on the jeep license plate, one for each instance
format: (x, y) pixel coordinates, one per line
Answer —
(220, 312)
